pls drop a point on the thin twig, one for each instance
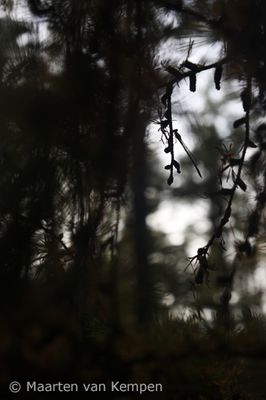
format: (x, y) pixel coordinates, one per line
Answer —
(49, 231)
(227, 212)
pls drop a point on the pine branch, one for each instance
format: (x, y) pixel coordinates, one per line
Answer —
(203, 252)
(59, 239)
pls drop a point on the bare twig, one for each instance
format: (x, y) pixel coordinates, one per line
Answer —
(58, 238)
(203, 252)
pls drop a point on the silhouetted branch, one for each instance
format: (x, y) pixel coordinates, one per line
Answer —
(203, 252)
(59, 239)
(166, 124)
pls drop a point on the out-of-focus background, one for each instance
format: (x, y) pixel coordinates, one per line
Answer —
(112, 269)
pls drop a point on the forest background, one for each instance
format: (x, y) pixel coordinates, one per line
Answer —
(98, 133)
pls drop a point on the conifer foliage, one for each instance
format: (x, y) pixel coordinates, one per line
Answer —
(82, 291)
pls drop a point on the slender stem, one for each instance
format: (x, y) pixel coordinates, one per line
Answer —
(240, 168)
(198, 69)
(171, 135)
(59, 240)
